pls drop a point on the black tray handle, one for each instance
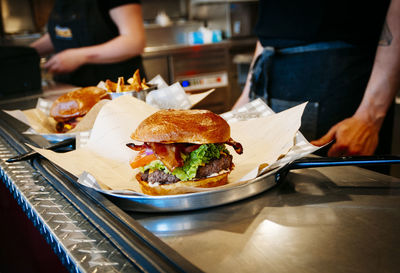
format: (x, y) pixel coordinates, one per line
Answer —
(314, 162)
(26, 156)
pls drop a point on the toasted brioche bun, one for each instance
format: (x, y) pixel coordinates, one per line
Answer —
(169, 189)
(183, 126)
(76, 103)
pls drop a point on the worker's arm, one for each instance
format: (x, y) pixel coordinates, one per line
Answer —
(130, 42)
(43, 45)
(358, 135)
(244, 97)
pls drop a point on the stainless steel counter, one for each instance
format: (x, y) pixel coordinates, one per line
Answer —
(86, 231)
(337, 219)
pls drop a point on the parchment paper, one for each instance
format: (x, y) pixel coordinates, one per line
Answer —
(42, 124)
(106, 157)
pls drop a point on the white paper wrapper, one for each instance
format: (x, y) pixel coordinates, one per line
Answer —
(41, 124)
(159, 81)
(265, 137)
(161, 98)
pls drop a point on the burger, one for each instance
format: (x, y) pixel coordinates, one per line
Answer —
(182, 148)
(69, 108)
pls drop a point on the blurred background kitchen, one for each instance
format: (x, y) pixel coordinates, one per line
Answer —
(175, 50)
(202, 44)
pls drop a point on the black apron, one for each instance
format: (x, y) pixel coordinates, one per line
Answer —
(293, 88)
(80, 23)
(331, 76)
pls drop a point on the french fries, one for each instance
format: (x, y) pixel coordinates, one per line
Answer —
(134, 84)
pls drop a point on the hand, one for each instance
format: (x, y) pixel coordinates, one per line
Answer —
(353, 137)
(65, 62)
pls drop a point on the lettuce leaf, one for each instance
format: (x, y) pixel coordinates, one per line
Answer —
(193, 161)
(154, 165)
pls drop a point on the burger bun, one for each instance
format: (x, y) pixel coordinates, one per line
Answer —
(76, 103)
(183, 126)
(181, 186)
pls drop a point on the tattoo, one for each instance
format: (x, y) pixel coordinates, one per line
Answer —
(386, 36)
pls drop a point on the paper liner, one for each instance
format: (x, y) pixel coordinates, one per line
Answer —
(41, 124)
(161, 98)
(265, 139)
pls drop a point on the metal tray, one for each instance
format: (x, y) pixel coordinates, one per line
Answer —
(137, 94)
(201, 200)
(194, 201)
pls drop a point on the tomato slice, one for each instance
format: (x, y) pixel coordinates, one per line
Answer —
(142, 159)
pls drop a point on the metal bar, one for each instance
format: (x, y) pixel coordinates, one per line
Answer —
(344, 161)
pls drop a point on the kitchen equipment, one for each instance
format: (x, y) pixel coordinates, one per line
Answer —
(200, 69)
(218, 101)
(20, 73)
(235, 18)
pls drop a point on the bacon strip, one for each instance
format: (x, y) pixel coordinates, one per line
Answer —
(169, 154)
(236, 146)
(191, 147)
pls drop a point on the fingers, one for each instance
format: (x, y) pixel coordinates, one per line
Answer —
(338, 150)
(49, 64)
(352, 137)
(361, 141)
(52, 66)
(328, 137)
(57, 65)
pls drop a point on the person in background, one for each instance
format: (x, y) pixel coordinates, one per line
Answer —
(343, 57)
(93, 40)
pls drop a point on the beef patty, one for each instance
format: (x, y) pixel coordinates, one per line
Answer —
(214, 166)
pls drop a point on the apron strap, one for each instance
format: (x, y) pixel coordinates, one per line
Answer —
(259, 75)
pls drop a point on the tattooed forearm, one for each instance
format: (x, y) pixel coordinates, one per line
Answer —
(386, 36)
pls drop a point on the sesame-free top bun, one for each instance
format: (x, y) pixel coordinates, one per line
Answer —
(177, 187)
(76, 103)
(183, 126)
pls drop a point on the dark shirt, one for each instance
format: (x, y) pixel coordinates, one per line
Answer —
(80, 23)
(106, 5)
(293, 22)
